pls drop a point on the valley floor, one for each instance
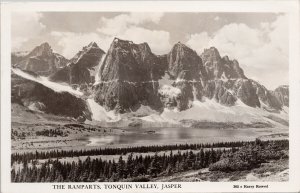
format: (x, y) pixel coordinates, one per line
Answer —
(45, 136)
(37, 132)
(33, 131)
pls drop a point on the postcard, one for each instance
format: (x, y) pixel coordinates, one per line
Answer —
(150, 96)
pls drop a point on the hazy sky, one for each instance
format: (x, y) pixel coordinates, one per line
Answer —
(259, 41)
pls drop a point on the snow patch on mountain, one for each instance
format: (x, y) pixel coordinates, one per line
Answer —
(210, 110)
(145, 110)
(169, 91)
(158, 118)
(97, 76)
(36, 106)
(44, 81)
(165, 80)
(100, 114)
(223, 77)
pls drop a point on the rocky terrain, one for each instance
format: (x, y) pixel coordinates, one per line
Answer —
(38, 97)
(41, 60)
(81, 68)
(130, 103)
(129, 78)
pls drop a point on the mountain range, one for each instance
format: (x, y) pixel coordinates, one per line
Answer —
(129, 77)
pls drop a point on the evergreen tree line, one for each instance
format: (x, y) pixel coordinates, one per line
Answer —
(138, 168)
(51, 133)
(251, 156)
(143, 168)
(27, 156)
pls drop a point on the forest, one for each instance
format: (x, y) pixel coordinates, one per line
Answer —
(17, 157)
(144, 168)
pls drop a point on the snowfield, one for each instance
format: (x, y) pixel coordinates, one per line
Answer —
(44, 81)
(210, 110)
(100, 114)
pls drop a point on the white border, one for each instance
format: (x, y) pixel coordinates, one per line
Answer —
(289, 6)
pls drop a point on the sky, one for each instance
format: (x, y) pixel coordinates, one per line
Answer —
(259, 41)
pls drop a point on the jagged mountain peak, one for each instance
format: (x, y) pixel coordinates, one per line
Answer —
(282, 87)
(81, 68)
(91, 49)
(218, 67)
(211, 54)
(42, 50)
(179, 46)
(185, 63)
(226, 58)
(128, 77)
(45, 44)
(93, 44)
(130, 46)
(41, 60)
(125, 58)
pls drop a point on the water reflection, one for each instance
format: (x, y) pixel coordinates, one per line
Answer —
(177, 135)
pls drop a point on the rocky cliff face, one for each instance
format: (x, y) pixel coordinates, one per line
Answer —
(220, 91)
(282, 94)
(128, 77)
(266, 97)
(41, 60)
(186, 69)
(220, 68)
(228, 81)
(81, 68)
(132, 75)
(38, 97)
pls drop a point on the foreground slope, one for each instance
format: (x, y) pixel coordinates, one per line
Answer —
(38, 94)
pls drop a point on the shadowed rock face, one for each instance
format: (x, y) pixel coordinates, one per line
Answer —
(41, 60)
(80, 68)
(217, 67)
(282, 94)
(222, 69)
(185, 67)
(246, 92)
(218, 90)
(183, 60)
(32, 94)
(266, 96)
(128, 77)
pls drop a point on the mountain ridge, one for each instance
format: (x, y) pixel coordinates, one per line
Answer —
(79, 69)
(41, 60)
(131, 76)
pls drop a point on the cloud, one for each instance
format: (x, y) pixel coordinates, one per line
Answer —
(24, 26)
(72, 43)
(263, 51)
(124, 26)
(128, 27)
(157, 40)
(116, 25)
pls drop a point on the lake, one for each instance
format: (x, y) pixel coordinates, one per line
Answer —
(160, 136)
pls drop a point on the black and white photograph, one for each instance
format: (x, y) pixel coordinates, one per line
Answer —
(156, 96)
